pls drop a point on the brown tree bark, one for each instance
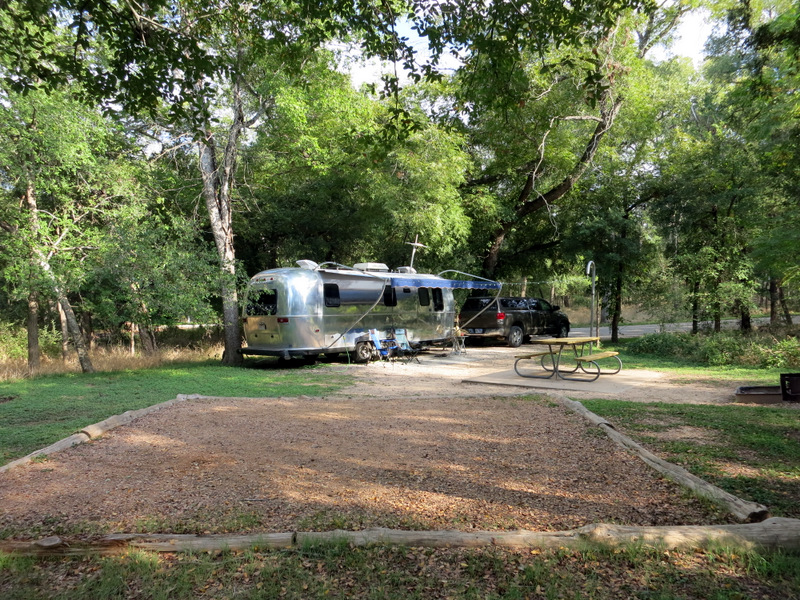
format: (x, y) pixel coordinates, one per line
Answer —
(148, 340)
(34, 354)
(217, 190)
(773, 301)
(746, 323)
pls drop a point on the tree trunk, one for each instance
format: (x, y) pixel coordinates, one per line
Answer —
(148, 340)
(34, 354)
(616, 311)
(695, 307)
(773, 301)
(493, 257)
(787, 316)
(217, 187)
(617, 300)
(75, 332)
(62, 317)
(747, 321)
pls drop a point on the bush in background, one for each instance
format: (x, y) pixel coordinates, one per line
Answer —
(14, 342)
(768, 348)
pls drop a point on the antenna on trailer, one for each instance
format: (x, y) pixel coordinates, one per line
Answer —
(415, 244)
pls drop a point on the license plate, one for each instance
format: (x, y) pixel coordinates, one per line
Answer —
(474, 330)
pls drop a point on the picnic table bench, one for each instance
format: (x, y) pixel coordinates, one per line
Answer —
(555, 347)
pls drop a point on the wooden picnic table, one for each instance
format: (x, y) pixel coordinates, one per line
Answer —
(586, 362)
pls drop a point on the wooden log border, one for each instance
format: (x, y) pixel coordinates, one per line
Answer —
(742, 510)
(775, 533)
(94, 431)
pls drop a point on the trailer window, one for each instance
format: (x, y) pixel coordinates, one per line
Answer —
(438, 299)
(389, 296)
(424, 297)
(262, 302)
(331, 293)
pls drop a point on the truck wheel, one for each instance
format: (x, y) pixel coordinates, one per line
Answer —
(515, 336)
(363, 352)
(562, 332)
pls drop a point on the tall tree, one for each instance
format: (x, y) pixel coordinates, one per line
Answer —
(59, 179)
(536, 132)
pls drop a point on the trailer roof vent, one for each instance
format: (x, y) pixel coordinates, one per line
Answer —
(409, 270)
(308, 264)
(379, 267)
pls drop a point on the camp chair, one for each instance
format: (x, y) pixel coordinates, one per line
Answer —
(406, 349)
(384, 347)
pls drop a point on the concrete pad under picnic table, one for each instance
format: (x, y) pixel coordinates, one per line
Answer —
(605, 384)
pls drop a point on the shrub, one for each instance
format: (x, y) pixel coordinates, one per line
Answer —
(678, 345)
(768, 349)
(13, 342)
(724, 348)
(784, 354)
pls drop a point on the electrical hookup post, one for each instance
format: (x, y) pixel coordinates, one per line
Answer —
(590, 269)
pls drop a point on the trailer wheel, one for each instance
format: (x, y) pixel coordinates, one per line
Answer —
(363, 352)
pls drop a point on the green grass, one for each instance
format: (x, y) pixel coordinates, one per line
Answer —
(694, 372)
(750, 451)
(337, 570)
(40, 411)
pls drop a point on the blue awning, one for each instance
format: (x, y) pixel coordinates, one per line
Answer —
(438, 282)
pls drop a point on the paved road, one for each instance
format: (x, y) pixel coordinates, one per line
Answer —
(629, 331)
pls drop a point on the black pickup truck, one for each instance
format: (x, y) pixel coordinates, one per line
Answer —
(514, 319)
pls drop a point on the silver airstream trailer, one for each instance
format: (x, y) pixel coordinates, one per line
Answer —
(329, 308)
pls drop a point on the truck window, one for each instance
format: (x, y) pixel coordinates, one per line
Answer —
(330, 291)
(424, 297)
(514, 303)
(262, 303)
(476, 303)
(438, 300)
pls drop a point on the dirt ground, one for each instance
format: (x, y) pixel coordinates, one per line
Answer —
(407, 446)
